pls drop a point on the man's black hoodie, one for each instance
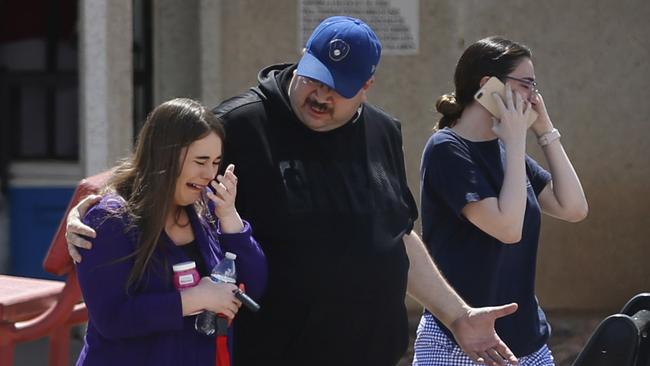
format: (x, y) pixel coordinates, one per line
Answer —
(329, 209)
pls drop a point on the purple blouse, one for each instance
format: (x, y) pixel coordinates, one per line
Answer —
(146, 325)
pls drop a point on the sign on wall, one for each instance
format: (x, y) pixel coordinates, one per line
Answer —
(396, 22)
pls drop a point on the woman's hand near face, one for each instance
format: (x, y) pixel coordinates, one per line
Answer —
(543, 123)
(512, 126)
(225, 188)
(503, 217)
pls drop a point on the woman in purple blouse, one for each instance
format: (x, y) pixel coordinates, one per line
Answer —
(158, 210)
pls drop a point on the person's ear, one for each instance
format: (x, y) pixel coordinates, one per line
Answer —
(366, 87)
(483, 80)
(368, 83)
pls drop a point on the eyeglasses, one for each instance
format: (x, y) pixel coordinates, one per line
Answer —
(313, 83)
(530, 84)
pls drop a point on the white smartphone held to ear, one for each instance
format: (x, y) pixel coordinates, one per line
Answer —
(484, 97)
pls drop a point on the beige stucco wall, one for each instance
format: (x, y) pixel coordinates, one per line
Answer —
(591, 59)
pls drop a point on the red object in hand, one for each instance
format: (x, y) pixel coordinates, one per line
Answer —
(223, 356)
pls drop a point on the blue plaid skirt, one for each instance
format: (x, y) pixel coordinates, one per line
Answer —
(434, 348)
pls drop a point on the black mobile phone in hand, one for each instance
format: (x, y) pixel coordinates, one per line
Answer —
(484, 97)
(205, 191)
(211, 188)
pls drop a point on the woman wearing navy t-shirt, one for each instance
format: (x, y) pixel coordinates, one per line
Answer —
(482, 197)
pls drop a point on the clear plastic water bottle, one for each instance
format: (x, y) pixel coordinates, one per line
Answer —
(224, 271)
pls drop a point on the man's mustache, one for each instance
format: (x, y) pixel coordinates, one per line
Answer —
(323, 107)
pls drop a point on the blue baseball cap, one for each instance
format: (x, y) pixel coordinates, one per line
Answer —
(342, 53)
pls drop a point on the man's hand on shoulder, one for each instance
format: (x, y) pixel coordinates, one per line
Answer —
(75, 228)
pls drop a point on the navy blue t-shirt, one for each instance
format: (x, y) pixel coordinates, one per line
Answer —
(483, 270)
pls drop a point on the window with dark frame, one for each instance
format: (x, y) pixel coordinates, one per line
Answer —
(39, 79)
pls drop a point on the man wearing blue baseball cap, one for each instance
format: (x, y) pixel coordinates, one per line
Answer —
(322, 181)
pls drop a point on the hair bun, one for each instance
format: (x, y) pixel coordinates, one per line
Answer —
(448, 106)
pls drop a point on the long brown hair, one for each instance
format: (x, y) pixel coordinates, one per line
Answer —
(491, 56)
(147, 179)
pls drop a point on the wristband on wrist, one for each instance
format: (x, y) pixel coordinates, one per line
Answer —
(548, 137)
